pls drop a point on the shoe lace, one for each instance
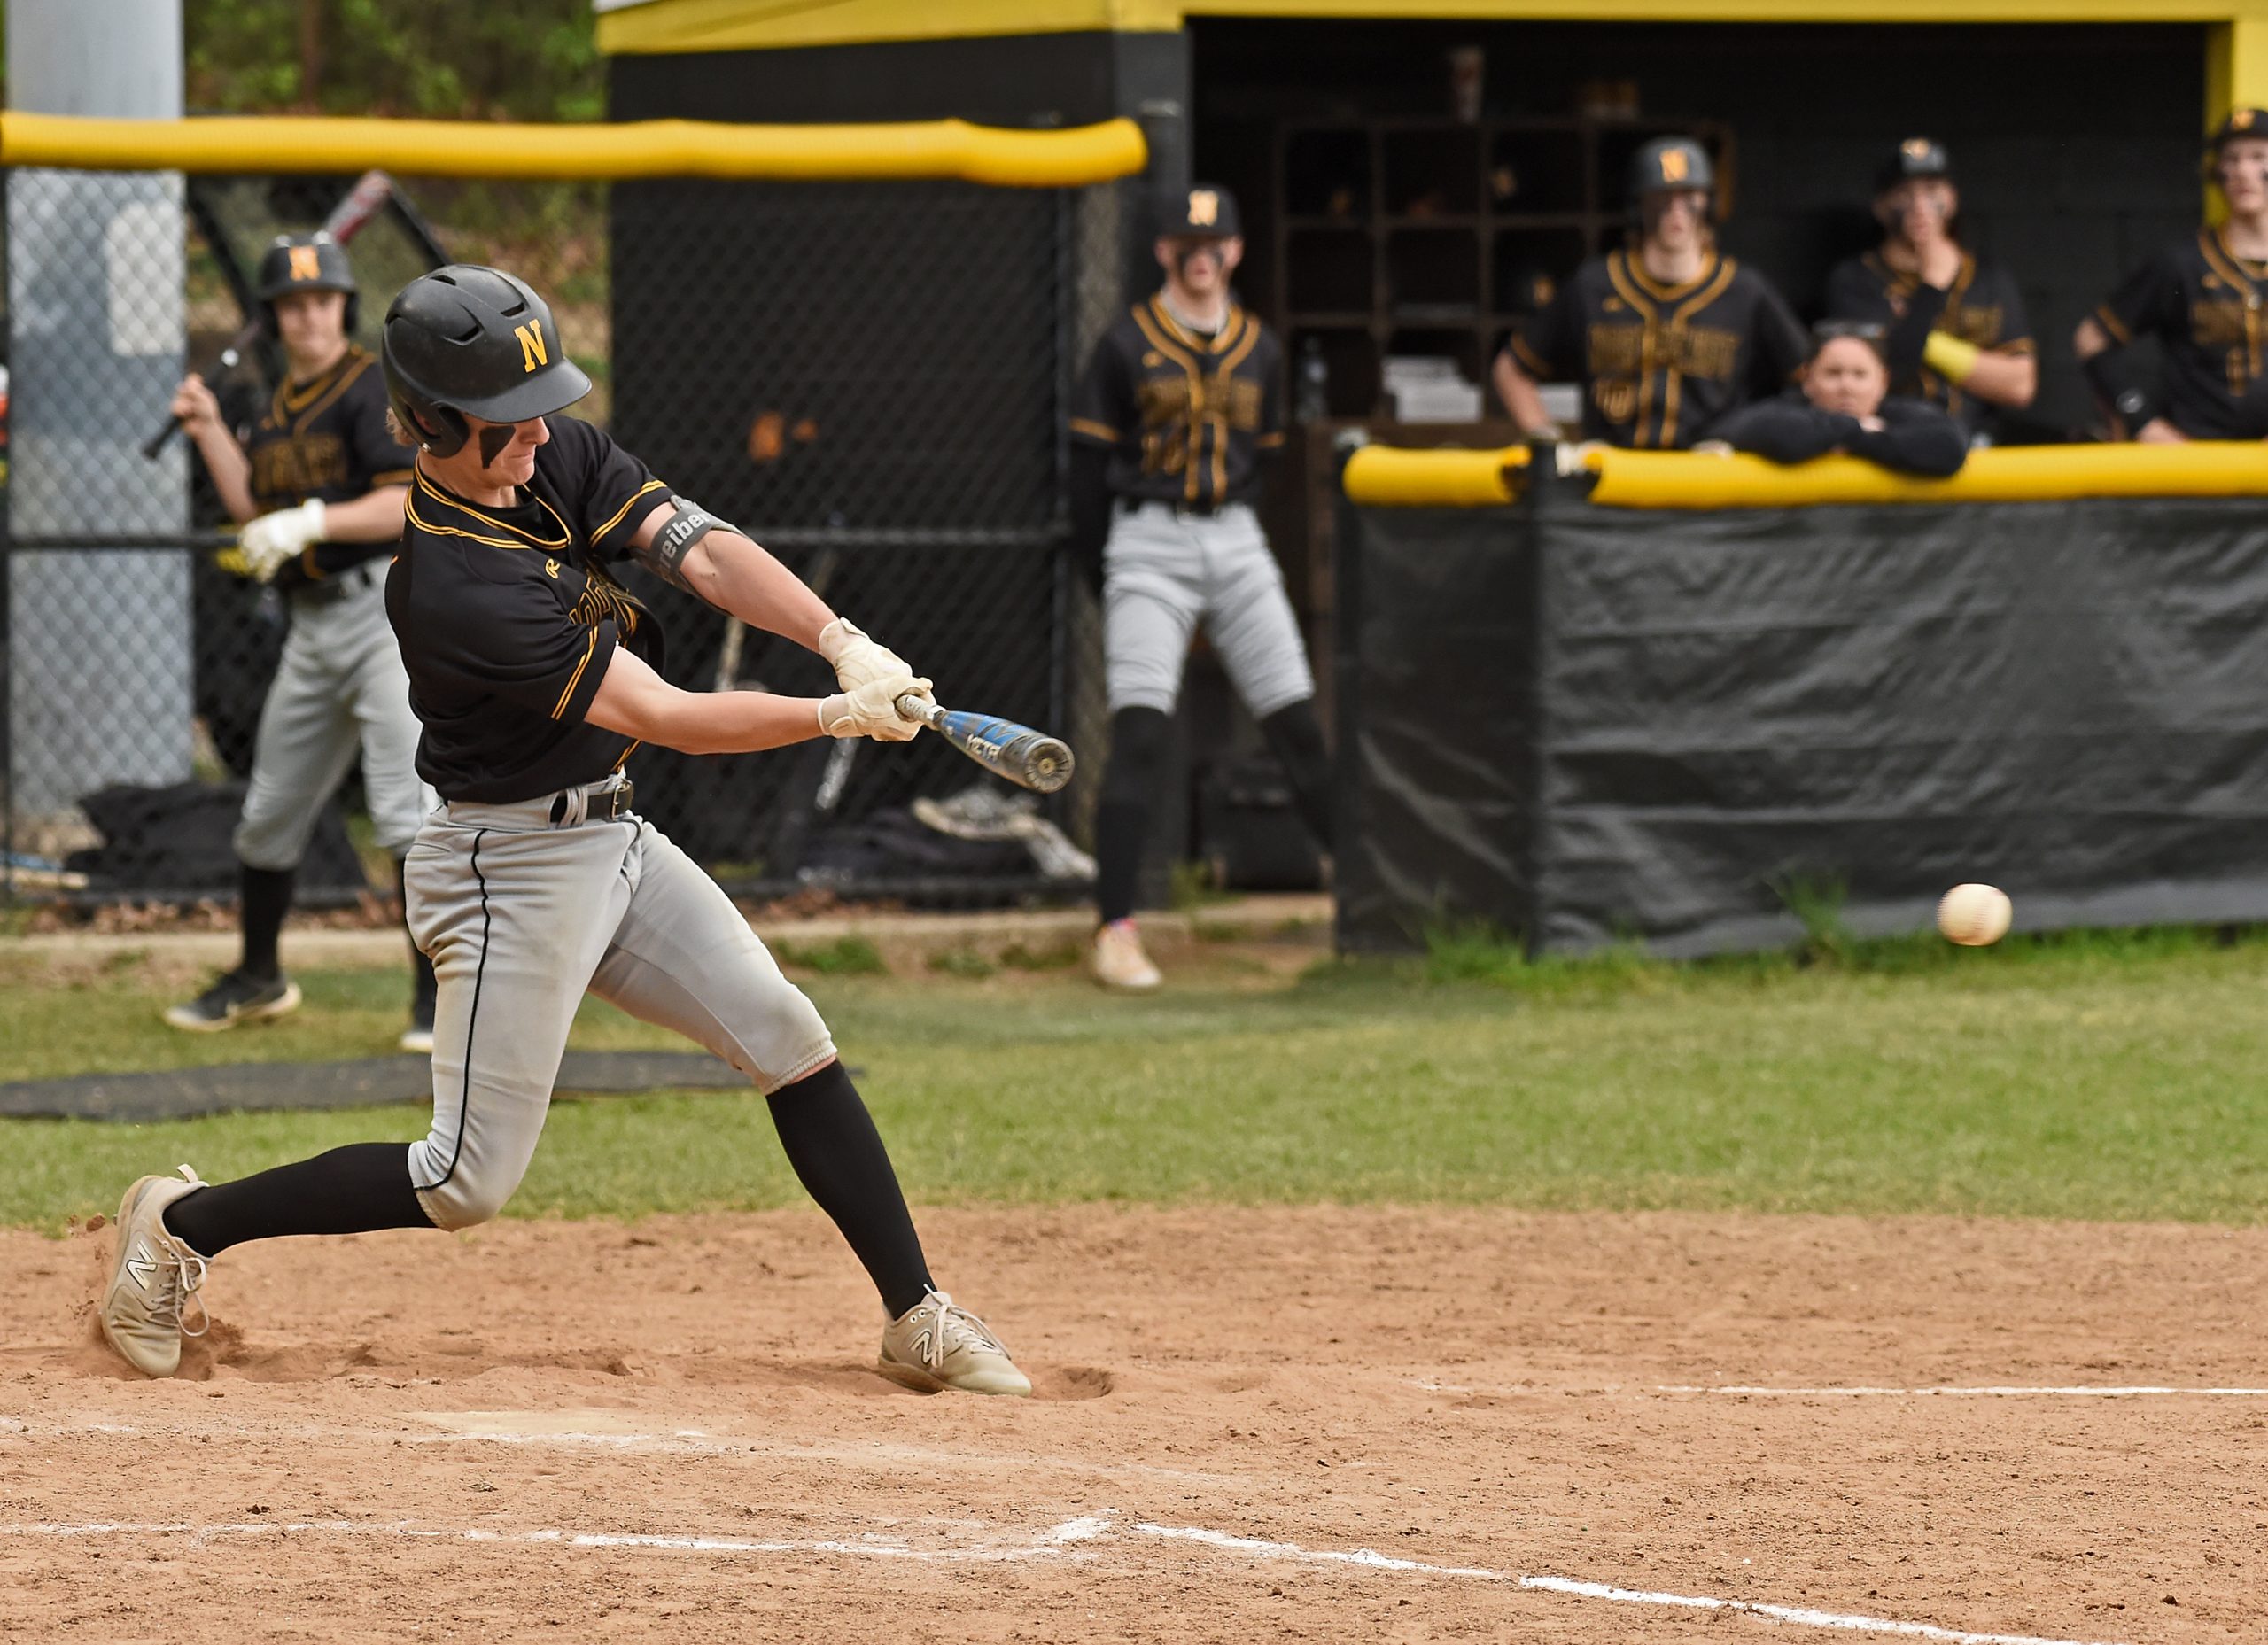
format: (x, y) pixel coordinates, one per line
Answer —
(189, 1279)
(953, 1326)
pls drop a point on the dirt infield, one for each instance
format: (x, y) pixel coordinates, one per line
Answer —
(1324, 1424)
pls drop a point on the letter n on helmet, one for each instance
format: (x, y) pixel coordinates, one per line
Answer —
(467, 340)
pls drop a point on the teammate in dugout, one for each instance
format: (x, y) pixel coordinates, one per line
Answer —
(318, 486)
(535, 673)
(2202, 300)
(1665, 339)
(1180, 404)
(1955, 328)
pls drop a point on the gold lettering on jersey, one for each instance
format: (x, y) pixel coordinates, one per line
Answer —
(1980, 326)
(301, 463)
(1617, 398)
(305, 265)
(551, 569)
(1693, 351)
(2218, 324)
(1709, 352)
(532, 352)
(1204, 207)
(602, 600)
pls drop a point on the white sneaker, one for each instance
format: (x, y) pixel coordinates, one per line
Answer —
(937, 1344)
(1118, 962)
(153, 1274)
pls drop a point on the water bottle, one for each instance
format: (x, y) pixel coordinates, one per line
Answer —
(1311, 403)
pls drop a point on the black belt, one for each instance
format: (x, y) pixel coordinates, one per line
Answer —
(604, 806)
(1182, 510)
(329, 590)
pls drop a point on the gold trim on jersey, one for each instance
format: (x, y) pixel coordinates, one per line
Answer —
(2242, 371)
(1528, 360)
(590, 651)
(529, 539)
(1101, 431)
(319, 395)
(650, 485)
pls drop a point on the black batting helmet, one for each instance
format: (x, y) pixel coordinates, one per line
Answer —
(304, 262)
(469, 339)
(2240, 123)
(1667, 164)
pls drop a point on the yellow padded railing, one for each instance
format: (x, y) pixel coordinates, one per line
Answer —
(660, 148)
(1379, 477)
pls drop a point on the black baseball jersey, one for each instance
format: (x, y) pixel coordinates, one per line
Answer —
(1981, 306)
(507, 618)
(1660, 363)
(1185, 416)
(2203, 303)
(325, 438)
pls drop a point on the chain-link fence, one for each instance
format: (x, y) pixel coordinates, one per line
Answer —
(869, 378)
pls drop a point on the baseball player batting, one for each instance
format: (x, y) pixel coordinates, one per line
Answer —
(1182, 400)
(535, 673)
(319, 485)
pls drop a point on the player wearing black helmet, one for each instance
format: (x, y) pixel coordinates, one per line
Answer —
(535, 673)
(1666, 337)
(318, 485)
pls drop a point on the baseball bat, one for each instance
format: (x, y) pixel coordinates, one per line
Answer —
(1026, 757)
(371, 190)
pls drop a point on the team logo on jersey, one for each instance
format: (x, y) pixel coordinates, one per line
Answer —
(1204, 207)
(551, 569)
(1616, 400)
(532, 350)
(305, 264)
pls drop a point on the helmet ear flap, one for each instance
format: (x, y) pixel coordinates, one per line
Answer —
(441, 429)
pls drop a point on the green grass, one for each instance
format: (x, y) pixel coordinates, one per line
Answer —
(2103, 1077)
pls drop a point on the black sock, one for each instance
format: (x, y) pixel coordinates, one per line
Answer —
(420, 969)
(348, 1191)
(1137, 750)
(264, 897)
(1295, 738)
(838, 1155)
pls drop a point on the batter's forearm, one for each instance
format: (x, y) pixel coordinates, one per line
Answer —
(736, 576)
(374, 517)
(634, 700)
(231, 472)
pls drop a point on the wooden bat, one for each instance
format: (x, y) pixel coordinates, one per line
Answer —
(1028, 758)
(371, 190)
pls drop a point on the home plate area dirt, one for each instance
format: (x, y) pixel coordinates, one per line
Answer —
(1327, 1423)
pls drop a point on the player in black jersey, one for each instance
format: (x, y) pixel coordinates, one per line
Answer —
(319, 485)
(1955, 332)
(1178, 411)
(535, 673)
(2202, 299)
(1665, 339)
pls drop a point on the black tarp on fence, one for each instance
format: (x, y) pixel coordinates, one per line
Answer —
(1586, 724)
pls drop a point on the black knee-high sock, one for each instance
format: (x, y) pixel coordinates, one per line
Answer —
(1130, 787)
(348, 1191)
(421, 985)
(838, 1155)
(264, 897)
(1295, 737)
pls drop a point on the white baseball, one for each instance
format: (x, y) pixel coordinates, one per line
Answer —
(1974, 915)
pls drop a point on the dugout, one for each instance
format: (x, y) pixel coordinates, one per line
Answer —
(1407, 167)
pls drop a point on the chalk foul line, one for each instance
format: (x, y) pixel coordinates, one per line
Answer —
(1071, 1538)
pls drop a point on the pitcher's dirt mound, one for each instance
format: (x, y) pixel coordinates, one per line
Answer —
(1339, 1424)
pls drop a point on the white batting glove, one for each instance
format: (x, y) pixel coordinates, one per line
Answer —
(856, 659)
(273, 539)
(871, 711)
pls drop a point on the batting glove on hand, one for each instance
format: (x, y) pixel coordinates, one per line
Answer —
(271, 540)
(857, 659)
(871, 711)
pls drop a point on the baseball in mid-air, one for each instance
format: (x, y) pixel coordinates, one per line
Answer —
(1974, 915)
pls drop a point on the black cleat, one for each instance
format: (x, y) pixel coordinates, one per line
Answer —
(235, 1000)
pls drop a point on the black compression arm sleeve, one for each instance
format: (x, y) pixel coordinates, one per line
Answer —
(1903, 346)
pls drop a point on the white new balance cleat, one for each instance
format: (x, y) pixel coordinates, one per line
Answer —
(937, 1344)
(152, 1276)
(1118, 962)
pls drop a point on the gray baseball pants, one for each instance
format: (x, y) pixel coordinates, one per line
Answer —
(339, 689)
(1163, 574)
(520, 918)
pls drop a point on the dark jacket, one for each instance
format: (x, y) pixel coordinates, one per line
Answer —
(1916, 438)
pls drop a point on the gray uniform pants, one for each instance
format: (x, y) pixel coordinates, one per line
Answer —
(1164, 573)
(520, 918)
(339, 689)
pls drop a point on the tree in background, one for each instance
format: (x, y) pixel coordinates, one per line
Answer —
(448, 59)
